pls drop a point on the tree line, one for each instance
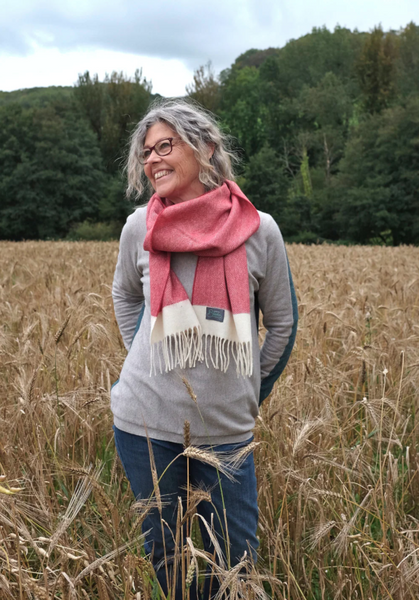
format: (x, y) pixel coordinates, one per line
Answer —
(327, 128)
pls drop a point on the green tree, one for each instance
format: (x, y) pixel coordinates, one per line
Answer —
(327, 104)
(286, 198)
(379, 179)
(113, 107)
(205, 88)
(408, 60)
(265, 182)
(114, 205)
(310, 85)
(242, 109)
(38, 97)
(305, 61)
(376, 70)
(327, 108)
(254, 57)
(51, 172)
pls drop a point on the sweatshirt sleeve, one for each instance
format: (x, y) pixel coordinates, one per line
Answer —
(278, 303)
(127, 289)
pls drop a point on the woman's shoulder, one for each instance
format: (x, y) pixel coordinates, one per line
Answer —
(138, 216)
(135, 227)
(265, 242)
(136, 221)
(268, 227)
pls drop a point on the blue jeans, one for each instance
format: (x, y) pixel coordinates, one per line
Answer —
(239, 499)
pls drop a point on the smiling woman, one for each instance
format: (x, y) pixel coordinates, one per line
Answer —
(194, 266)
(201, 138)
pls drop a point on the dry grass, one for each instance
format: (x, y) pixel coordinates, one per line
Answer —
(337, 464)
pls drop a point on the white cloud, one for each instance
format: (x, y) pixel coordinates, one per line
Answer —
(49, 66)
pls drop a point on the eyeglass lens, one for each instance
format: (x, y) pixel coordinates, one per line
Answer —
(162, 148)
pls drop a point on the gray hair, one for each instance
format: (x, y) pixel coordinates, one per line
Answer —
(194, 126)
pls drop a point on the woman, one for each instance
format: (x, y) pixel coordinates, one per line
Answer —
(194, 268)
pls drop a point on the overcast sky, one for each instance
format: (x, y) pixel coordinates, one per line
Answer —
(49, 42)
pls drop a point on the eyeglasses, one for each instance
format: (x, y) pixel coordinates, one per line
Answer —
(161, 148)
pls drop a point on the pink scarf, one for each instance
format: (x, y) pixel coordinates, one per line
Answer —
(216, 324)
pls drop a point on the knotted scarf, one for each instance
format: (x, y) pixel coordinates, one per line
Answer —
(215, 325)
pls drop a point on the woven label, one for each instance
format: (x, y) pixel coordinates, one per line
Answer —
(215, 314)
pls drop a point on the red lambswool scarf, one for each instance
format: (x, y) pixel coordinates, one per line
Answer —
(216, 324)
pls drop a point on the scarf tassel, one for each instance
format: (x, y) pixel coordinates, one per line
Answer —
(185, 348)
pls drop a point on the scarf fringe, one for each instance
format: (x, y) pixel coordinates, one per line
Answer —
(185, 348)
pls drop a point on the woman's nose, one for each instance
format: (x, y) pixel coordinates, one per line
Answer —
(154, 157)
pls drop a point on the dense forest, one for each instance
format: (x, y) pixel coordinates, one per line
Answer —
(327, 129)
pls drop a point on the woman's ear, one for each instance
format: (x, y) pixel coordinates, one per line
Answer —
(211, 150)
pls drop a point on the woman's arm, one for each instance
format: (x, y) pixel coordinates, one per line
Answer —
(278, 303)
(127, 289)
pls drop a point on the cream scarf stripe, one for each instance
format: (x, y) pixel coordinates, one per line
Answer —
(200, 339)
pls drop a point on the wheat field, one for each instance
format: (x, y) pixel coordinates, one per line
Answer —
(337, 462)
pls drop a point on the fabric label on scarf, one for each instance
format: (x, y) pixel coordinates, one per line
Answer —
(215, 314)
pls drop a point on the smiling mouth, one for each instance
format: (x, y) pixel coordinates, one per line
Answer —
(161, 174)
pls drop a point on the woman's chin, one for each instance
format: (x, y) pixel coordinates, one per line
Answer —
(167, 191)
(163, 189)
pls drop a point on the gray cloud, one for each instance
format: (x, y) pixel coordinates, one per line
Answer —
(186, 30)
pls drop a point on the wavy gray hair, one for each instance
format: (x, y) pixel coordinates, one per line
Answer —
(194, 126)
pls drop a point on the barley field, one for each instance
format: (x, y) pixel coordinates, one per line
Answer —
(337, 460)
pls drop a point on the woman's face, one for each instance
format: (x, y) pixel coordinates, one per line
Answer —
(175, 176)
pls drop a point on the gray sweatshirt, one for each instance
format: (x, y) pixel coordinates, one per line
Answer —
(226, 405)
